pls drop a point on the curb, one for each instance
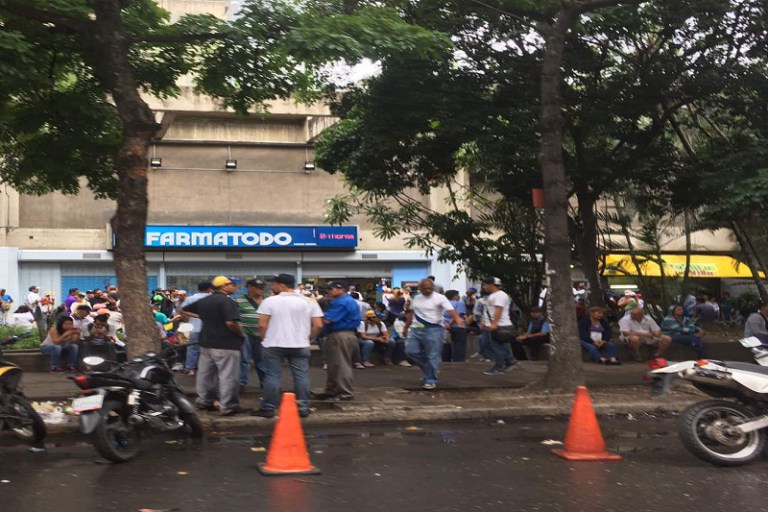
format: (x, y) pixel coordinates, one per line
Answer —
(429, 414)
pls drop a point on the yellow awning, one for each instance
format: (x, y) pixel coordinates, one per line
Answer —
(712, 266)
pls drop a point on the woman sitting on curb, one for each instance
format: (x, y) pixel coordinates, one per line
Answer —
(63, 336)
(595, 337)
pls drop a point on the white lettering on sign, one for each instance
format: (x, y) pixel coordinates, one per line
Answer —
(220, 239)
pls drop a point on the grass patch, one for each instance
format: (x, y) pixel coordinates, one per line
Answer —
(30, 341)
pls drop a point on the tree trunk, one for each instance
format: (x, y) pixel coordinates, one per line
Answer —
(752, 263)
(130, 217)
(586, 245)
(565, 364)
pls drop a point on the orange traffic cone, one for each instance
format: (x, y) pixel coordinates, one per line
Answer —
(287, 453)
(584, 441)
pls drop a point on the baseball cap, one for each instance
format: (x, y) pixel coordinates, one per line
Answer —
(337, 285)
(629, 293)
(285, 279)
(256, 283)
(220, 281)
(370, 314)
(471, 289)
(492, 280)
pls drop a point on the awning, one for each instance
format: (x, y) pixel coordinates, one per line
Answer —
(701, 266)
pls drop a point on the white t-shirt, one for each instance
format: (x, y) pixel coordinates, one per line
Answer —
(372, 330)
(33, 300)
(430, 308)
(23, 319)
(647, 324)
(290, 320)
(498, 298)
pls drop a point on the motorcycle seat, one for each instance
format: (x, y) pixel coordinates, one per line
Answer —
(747, 367)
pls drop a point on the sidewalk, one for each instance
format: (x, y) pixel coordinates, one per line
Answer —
(393, 394)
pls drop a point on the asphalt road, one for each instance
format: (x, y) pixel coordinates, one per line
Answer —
(429, 467)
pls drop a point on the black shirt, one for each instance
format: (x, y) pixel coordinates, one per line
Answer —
(215, 310)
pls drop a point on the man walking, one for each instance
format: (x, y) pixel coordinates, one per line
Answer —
(287, 323)
(497, 322)
(249, 304)
(424, 330)
(221, 340)
(341, 322)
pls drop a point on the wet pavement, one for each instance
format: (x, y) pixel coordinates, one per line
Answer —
(457, 466)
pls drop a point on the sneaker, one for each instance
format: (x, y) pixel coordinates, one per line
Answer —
(476, 355)
(493, 372)
(72, 368)
(359, 366)
(237, 410)
(428, 385)
(346, 398)
(484, 360)
(324, 396)
(304, 414)
(191, 372)
(510, 366)
(56, 369)
(206, 407)
(369, 364)
(325, 366)
(177, 367)
(264, 413)
(404, 363)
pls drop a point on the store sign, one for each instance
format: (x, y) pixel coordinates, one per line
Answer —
(254, 237)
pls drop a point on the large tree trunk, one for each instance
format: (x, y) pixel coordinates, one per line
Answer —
(586, 244)
(130, 218)
(565, 365)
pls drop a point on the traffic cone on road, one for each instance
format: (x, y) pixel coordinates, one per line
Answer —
(287, 453)
(584, 441)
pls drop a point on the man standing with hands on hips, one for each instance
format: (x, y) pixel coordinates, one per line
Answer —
(220, 343)
(341, 322)
(424, 331)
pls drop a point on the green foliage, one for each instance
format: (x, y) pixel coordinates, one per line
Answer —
(30, 340)
(747, 303)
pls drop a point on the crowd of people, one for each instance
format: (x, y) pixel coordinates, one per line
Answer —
(222, 331)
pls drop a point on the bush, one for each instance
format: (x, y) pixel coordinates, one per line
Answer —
(31, 341)
(747, 303)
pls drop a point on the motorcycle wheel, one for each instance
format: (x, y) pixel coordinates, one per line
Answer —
(192, 424)
(705, 430)
(115, 438)
(33, 428)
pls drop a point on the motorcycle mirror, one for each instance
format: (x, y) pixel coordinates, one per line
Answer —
(93, 360)
(751, 342)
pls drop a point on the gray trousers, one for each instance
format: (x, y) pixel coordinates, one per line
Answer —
(217, 377)
(340, 350)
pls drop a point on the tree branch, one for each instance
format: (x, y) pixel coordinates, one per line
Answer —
(23, 10)
(593, 5)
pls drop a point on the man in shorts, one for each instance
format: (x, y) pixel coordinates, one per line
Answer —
(639, 329)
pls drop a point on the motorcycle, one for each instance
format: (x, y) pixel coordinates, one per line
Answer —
(142, 394)
(16, 413)
(728, 431)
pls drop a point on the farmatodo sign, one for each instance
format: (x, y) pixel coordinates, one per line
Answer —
(253, 237)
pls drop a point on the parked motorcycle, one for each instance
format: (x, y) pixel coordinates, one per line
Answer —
(729, 431)
(16, 413)
(142, 394)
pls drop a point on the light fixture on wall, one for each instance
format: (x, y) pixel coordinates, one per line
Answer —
(155, 161)
(309, 167)
(231, 163)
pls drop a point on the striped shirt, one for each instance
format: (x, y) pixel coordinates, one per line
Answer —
(249, 316)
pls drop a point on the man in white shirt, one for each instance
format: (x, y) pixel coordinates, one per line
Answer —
(638, 329)
(424, 330)
(33, 298)
(287, 323)
(496, 321)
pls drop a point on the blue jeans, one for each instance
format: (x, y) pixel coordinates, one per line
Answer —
(298, 360)
(691, 340)
(366, 347)
(193, 352)
(501, 346)
(484, 344)
(458, 344)
(425, 348)
(395, 349)
(594, 352)
(251, 352)
(54, 352)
